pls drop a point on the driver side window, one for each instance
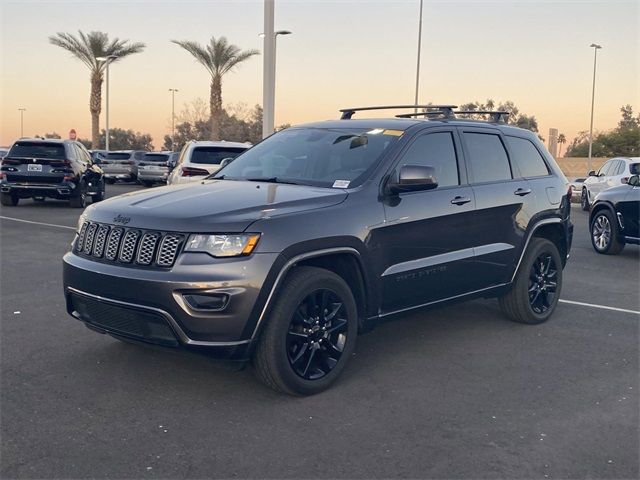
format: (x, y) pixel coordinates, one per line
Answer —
(435, 150)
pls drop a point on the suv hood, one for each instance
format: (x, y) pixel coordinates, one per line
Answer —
(211, 206)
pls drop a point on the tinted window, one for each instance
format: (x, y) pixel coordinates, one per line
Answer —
(118, 156)
(214, 155)
(37, 150)
(435, 150)
(156, 157)
(526, 156)
(487, 156)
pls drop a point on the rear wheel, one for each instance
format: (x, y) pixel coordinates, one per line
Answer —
(584, 200)
(604, 233)
(79, 200)
(536, 289)
(147, 184)
(9, 200)
(110, 181)
(310, 334)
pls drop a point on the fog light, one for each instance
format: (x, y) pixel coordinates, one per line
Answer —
(208, 301)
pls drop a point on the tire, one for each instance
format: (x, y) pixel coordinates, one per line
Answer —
(80, 199)
(534, 294)
(147, 184)
(584, 200)
(8, 200)
(110, 181)
(286, 346)
(603, 231)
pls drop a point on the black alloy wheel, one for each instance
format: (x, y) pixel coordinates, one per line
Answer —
(317, 334)
(543, 283)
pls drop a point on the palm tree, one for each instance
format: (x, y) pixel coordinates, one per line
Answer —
(561, 139)
(218, 57)
(88, 48)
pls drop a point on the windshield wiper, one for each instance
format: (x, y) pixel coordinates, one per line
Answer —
(271, 180)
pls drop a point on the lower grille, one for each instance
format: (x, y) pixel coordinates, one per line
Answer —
(129, 245)
(128, 322)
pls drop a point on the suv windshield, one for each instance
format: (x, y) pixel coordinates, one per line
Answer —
(38, 150)
(118, 156)
(156, 157)
(214, 155)
(313, 156)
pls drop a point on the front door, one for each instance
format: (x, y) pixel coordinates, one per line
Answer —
(426, 241)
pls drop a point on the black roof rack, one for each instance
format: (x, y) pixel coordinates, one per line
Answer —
(496, 116)
(347, 113)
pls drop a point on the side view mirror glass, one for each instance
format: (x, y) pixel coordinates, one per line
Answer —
(592, 173)
(413, 178)
(226, 161)
(634, 181)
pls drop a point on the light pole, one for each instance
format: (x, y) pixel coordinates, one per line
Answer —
(595, 47)
(268, 120)
(107, 61)
(418, 60)
(173, 117)
(22, 110)
(268, 73)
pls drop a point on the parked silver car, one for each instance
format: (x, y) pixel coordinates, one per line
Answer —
(121, 165)
(153, 168)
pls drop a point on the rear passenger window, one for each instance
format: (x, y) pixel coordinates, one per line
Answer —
(435, 150)
(487, 157)
(527, 157)
(621, 167)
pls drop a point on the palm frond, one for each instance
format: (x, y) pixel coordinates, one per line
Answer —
(198, 52)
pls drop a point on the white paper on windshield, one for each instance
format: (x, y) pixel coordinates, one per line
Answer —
(341, 184)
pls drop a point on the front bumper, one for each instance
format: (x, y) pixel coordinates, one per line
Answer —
(148, 305)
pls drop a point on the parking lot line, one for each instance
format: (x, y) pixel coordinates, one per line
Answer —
(604, 307)
(37, 223)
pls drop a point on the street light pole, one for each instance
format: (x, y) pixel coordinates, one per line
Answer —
(595, 47)
(22, 110)
(273, 93)
(173, 117)
(107, 61)
(418, 60)
(268, 69)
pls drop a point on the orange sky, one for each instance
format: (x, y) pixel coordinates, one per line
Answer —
(342, 53)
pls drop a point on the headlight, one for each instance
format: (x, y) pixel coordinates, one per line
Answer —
(223, 245)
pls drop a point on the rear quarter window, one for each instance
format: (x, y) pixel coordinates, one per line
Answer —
(527, 157)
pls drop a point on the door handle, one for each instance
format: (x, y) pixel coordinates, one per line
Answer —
(460, 200)
(522, 192)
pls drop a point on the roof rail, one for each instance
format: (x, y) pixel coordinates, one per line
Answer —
(495, 116)
(347, 113)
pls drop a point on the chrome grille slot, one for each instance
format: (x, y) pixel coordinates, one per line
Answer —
(168, 250)
(101, 240)
(89, 237)
(128, 247)
(81, 235)
(113, 244)
(147, 248)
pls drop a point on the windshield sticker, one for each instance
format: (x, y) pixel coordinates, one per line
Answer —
(341, 184)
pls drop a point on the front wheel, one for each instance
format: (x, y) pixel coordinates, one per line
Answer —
(604, 233)
(584, 200)
(536, 289)
(310, 334)
(79, 200)
(110, 181)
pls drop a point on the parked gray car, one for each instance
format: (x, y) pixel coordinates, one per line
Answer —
(121, 165)
(154, 168)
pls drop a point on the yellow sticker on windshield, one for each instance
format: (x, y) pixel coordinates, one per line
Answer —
(394, 133)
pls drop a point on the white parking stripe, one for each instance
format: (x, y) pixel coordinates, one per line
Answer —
(37, 223)
(603, 307)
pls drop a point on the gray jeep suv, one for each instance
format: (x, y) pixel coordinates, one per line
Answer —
(322, 230)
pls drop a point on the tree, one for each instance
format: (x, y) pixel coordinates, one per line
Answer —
(88, 48)
(120, 139)
(624, 140)
(219, 57)
(515, 118)
(52, 135)
(561, 140)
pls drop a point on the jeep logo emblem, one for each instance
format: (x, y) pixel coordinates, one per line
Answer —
(121, 219)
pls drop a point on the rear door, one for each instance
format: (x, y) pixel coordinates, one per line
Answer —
(629, 208)
(426, 242)
(505, 203)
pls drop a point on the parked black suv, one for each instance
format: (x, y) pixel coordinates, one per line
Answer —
(60, 169)
(614, 219)
(322, 230)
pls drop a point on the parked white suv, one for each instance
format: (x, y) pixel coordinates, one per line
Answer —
(201, 158)
(614, 172)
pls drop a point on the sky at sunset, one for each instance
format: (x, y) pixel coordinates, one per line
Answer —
(341, 54)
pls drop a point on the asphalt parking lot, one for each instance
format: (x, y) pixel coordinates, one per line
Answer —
(457, 392)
